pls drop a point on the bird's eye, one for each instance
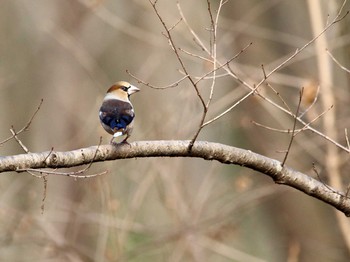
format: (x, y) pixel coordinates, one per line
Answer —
(124, 88)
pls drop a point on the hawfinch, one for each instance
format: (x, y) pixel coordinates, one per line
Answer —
(117, 113)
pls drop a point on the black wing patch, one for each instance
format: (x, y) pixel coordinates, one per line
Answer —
(116, 114)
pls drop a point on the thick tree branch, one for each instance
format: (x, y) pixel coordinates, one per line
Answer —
(201, 149)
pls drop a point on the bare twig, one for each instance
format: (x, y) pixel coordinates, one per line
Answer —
(347, 138)
(271, 128)
(198, 41)
(321, 134)
(307, 125)
(213, 53)
(312, 104)
(231, 107)
(337, 19)
(299, 50)
(215, 69)
(74, 174)
(206, 75)
(296, 131)
(279, 96)
(293, 130)
(320, 179)
(44, 194)
(173, 46)
(184, 68)
(172, 27)
(264, 72)
(26, 126)
(347, 191)
(49, 154)
(14, 134)
(337, 62)
(196, 56)
(212, 29)
(175, 84)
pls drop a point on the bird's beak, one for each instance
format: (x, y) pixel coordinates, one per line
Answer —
(133, 89)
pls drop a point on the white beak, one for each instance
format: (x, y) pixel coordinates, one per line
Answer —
(132, 89)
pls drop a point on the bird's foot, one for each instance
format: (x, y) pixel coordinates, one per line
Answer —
(125, 142)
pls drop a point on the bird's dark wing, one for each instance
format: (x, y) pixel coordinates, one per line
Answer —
(116, 114)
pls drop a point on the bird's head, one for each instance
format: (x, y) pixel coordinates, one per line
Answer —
(121, 90)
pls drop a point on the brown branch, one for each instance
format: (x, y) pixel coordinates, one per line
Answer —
(74, 174)
(201, 149)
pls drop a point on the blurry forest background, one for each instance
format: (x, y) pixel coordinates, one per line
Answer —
(169, 209)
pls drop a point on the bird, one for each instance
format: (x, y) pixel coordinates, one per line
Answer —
(116, 112)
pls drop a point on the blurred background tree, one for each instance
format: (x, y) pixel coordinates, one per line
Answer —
(70, 52)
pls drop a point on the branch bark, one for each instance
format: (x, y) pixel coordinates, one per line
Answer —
(176, 148)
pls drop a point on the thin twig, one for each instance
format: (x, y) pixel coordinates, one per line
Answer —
(266, 76)
(347, 191)
(253, 88)
(279, 96)
(206, 75)
(210, 77)
(184, 68)
(327, 186)
(197, 40)
(14, 134)
(347, 138)
(74, 174)
(26, 126)
(271, 128)
(299, 50)
(294, 125)
(172, 27)
(48, 154)
(337, 62)
(214, 70)
(263, 69)
(213, 33)
(195, 55)
(296, 131)
(214, 25)
(231, 107)
(175, 84)
(172, 43)
(44, 195)
(312, 104)
(307, 125)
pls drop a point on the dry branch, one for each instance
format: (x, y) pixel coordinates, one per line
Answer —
(201, 149)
